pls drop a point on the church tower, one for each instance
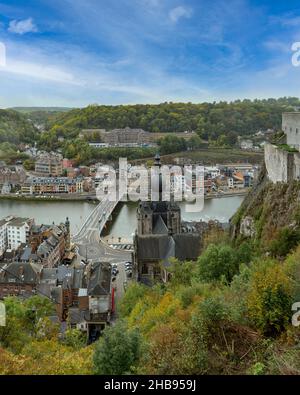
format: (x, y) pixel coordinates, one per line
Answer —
(158, 216)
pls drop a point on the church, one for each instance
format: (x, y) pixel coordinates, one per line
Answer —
(160, 236)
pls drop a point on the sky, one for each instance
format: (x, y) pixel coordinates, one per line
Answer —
(78, 52)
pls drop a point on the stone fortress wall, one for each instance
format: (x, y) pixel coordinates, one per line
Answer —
(281, 165)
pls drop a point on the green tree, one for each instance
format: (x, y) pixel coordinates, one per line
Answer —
(216, 262)
(170, 144)
(287, 240)
(118, 350)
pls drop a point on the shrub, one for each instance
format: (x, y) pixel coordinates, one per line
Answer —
(216, 262)
(117, 351)
(269, 299)
(286, 241)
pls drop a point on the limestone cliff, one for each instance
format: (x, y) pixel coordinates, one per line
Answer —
(267, 209)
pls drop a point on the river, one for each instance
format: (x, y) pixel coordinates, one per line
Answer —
(124, 219)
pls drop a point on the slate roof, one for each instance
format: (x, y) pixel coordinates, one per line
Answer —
(20, 273)
(26, 254)
(160, 227)
(183, 246)
(187, 246)
(17, 221)
(100, 279)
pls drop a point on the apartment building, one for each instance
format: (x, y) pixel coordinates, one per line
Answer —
(49, 165)
(52, 185)
(119, 137)
(17, 232)
(3, 236)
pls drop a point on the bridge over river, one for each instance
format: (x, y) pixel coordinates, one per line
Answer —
(88, 238)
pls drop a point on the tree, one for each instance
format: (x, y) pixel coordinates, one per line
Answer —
(194, 143)
(170, 144)
(28, 164)
(287, 240)
(269, 299)
(117, 351)
(216, 262)
(134, 292)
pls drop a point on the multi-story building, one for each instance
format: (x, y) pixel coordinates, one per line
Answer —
(19, 279)
(118, 137)
(17, 232)
(246, 144)
(12, 175)
(44, 244)
(49, 165)
(52, 185)
(3, 235)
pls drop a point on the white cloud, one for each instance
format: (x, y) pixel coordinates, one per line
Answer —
(179, 12)
(40, 71)
(22, 27)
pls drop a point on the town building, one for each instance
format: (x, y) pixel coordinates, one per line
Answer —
(52, 185)
(49, 165)
(22, 240)
(19, 279)
(246, 144)
(17, 231)
(11, 176)
(119, 137)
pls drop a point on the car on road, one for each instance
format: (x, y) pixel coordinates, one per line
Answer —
(115, 271)
(129, 273)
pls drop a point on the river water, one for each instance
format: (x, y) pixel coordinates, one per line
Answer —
(124, 218)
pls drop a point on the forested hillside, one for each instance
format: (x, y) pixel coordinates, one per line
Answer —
(15, 128)
(228, 313)
(210, 120)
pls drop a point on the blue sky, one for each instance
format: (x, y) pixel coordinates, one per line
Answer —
(78, 52)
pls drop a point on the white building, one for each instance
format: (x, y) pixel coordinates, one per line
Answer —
(246, 144)
(3, 236)
(99, 145)
(230, 182)
(213, 171)
(14, 231)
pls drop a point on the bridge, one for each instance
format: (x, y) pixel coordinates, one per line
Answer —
(88, 238)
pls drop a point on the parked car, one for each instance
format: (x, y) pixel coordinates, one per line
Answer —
(129, 273)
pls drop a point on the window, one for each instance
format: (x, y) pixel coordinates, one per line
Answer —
(144, 269)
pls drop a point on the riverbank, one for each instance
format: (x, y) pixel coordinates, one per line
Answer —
(60, 198)
(93, 199)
